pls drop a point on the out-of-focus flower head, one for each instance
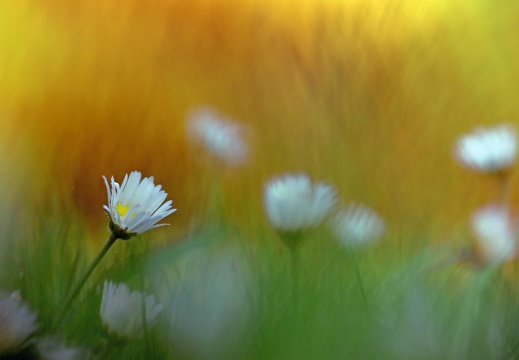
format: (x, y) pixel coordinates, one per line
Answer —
(293, 204)
(357, 225)
(495, 232)
(489, 150)
(136, 205)
(53, 349)
(17, 321)
(210, 309)
(221, 137)
(121, 310)
(413, 325)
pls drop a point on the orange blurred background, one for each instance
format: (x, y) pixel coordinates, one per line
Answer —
(369, 95)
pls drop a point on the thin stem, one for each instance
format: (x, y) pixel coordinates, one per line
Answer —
(359, 278)
(292, 240)
(294, 264)
(75, 291)
(144, 317)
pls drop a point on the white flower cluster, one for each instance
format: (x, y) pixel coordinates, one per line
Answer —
(136, 205)
(121, 310)
(489, 150)
(294, 205)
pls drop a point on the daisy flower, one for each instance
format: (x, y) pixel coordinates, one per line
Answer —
(294, 204)
(221, 137)
(17, 321)
(495, 232)
(356, 225)
(121, 310)
(490, 150)
(136, 205)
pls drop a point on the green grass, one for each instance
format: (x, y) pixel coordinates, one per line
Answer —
(227, 295)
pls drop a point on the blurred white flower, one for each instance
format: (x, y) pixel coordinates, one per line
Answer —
(220, 136)
(357, 225)
(497, 335)
(136, 206)
(294, 204)
(412, 326)
(495, 232)
(210, 308)
(17, 321)
(121, 310)
(53, 349)
(491, 149)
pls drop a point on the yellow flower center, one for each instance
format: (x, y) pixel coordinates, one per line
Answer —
(122, 209)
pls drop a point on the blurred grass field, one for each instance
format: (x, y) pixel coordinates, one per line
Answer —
(367, 95)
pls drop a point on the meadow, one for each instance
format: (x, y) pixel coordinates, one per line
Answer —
(367, 96)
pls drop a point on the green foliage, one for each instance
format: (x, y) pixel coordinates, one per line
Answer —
(229, 295)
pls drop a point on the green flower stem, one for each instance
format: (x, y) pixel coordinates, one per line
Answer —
(75, 291)
(294, 263)
(359, 278)
(292, 240)
(144, 316)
